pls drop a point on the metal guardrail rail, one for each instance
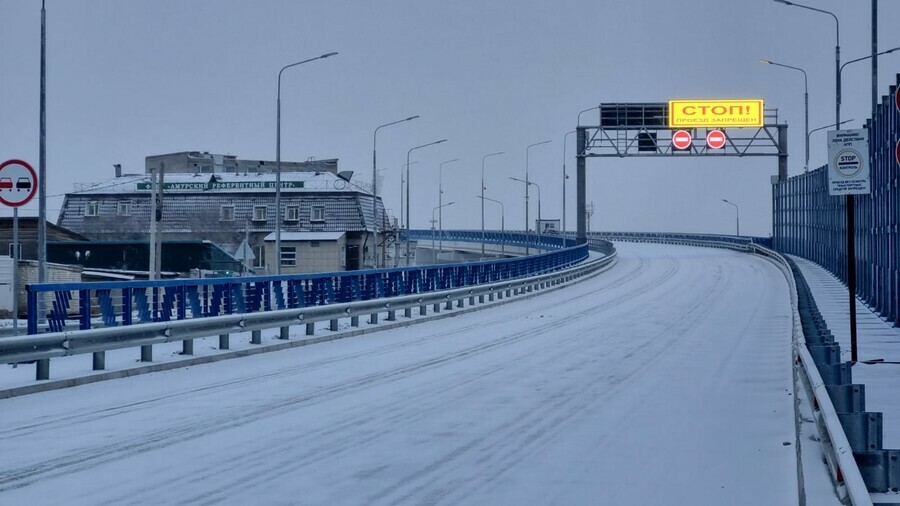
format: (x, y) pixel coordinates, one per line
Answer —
(839, 453)
(125, 303)
(392, 290)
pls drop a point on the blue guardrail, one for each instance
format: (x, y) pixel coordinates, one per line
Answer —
(107, 304)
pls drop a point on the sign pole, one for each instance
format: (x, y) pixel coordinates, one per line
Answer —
(851, 273)
(15, 272)
(18, 185)
(849, 175)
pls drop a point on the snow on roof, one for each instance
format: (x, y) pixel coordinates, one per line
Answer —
(306, 236)
(227, 183)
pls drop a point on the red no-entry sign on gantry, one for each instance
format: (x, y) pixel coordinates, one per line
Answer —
(681, 139)
(715, 139)
(18, 183)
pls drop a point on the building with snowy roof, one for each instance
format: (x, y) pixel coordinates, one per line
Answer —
(218, 203)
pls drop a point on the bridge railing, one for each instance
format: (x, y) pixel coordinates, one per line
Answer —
(481, 280)
(838, 451)
(508, 238)
(122, 303)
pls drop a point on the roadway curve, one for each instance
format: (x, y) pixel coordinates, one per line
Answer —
(665, 380)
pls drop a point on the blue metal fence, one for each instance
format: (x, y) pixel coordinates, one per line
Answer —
(131, 302)
(811, 224)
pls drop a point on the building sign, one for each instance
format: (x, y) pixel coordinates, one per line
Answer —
(233, 185)
(848, 162)
(715, 113)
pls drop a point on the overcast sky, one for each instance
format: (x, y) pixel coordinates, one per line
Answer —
(127, 79)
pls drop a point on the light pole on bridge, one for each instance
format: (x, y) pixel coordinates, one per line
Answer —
(737, 215)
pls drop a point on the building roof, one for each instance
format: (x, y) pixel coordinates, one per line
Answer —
(228, 183)
(306, 236)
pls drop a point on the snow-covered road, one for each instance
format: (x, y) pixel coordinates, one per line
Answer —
(666, 380)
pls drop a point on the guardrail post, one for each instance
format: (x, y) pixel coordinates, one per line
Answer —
(436, 307)
(99, 360)
(187, 347)
(407, 312)
(373, 318)
(223, 342)
(310, 329)
(354, 321)
(391, 315)
(256, 337)
(481, 299)
(284, 333)
(42, 369)
(147, 353)
(333, 325)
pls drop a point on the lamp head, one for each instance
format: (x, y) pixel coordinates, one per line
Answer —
(411, 118)
(767, 62)
(326, 55)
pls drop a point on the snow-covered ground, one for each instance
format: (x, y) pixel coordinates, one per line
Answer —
(877, 342)
(666, 380)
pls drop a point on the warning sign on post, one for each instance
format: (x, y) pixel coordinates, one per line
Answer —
(848, 162)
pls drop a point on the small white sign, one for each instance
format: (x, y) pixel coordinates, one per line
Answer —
(848, 162)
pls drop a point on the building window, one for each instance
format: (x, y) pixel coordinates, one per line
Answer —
(313, 244)
(288, 256)
(318, 213)
(227, 213)
(124, 208)
(259, 213)
(259, 252)
(293, 213)
(93, 208)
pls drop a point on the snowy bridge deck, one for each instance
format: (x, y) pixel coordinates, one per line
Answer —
(666, 380)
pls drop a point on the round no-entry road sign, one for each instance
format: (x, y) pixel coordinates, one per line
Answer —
(18, 183)
(715, 139)
(681, 139)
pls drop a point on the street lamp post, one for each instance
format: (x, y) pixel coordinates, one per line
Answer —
(407, 190)
(837, 54)
(584, 111)
(441, 199)
(805, 104)
(502, 222)
(438, 208)
(527, 180)
(565, 177)
(532, 183)
(814, 130)
(278, 161)
(482, 197)
(737, 214)
(402, 187)
(375, 181)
